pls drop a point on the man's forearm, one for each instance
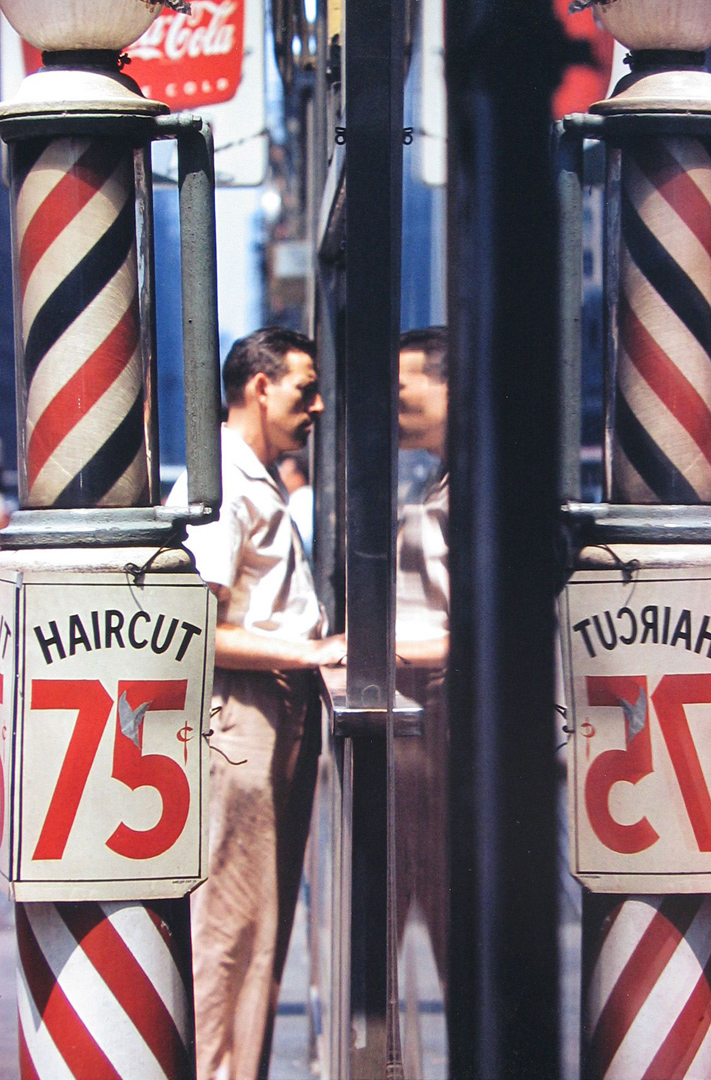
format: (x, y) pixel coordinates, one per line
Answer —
(241, 650)
(432, 653)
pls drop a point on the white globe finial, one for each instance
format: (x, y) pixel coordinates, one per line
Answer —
(679, 25)
(63, 25)
(80, 26)
(660, 34)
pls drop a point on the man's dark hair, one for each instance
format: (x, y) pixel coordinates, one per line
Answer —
(263, 351)
(433, 342)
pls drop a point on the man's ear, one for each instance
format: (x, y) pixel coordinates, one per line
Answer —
(259, 384)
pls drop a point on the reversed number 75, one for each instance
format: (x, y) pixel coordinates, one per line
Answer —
(629, 693)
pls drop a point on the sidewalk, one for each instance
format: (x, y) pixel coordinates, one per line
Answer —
(290, 1051)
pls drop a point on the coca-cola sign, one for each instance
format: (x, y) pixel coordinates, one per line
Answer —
(191, 60)
(186, 60)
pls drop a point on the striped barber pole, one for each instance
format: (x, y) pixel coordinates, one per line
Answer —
(649, 998)
(75, 249)
(662, 423)
(103, 994)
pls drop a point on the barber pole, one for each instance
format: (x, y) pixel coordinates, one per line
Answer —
(639, 782)
(105, 682)
(106, 717)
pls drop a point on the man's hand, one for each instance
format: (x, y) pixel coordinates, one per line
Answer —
(330, 651)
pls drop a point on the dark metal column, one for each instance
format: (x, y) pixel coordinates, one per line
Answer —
(503, 58)
(374, 70)
(374, 90)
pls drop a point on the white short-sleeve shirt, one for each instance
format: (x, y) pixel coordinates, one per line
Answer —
(254, 549)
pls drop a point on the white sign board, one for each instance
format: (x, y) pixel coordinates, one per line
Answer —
(637, 657)
(110, 765)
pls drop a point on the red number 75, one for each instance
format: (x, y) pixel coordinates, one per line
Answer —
(134, 769)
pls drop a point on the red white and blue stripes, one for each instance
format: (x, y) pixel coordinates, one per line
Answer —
(102, 994)
(662, 423)
(649, 997)
(82, 368)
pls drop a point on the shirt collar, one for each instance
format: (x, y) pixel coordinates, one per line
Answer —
(239, 453)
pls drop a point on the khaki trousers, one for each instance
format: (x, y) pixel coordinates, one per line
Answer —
(259, 822)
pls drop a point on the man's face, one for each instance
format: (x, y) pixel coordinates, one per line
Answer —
(293, 403)
(422, 405)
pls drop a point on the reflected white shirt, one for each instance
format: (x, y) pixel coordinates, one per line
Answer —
(422, 567)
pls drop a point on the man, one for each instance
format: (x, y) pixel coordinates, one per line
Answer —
(268, 643)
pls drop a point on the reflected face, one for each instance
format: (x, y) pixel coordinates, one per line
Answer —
(293, 403)
(422, 405)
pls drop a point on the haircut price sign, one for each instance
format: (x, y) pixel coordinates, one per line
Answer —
(104, 770)
(637, 657)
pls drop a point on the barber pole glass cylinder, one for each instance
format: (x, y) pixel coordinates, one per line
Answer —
(81, 377)
(659, 259)
(648, 991)
(102, 991)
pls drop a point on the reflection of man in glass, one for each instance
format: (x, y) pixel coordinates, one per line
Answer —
(423, 390)
(423, 578)
(422, 644)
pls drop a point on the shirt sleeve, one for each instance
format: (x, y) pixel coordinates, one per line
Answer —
(216, 546)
